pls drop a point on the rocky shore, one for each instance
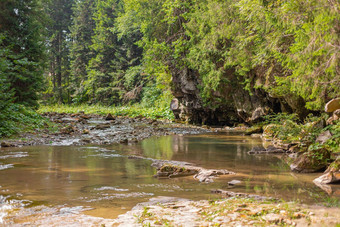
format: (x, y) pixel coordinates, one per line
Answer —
(234, 211)
(81, 129)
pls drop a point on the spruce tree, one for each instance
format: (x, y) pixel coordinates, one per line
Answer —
(23, 48)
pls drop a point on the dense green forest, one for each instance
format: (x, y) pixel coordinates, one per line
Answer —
(224, 61)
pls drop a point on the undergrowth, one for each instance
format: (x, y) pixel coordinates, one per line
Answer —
(130, 111)
(290, 129)
(17, 118)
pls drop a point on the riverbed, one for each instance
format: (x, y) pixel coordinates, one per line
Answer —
(95, 184)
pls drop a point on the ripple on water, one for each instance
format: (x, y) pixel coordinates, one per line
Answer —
(6, 166)
(117, 196)
(66, 142)
(164, 187)
(108, 188)
(14, 155)
(9, 205)
(103, 155)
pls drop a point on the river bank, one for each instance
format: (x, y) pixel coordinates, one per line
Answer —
(74, 128)
(81, 129)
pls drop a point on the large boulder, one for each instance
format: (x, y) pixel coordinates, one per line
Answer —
(311, 161)
(332, 105)
(331, 175)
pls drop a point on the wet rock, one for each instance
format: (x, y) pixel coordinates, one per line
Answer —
(179, 169)
(67, 130)
(272, 149)
(172, 171)
(331, 175)
(102, 126)
(311, 161)
(207, 176)
(257, 150)
(85, 131)
(323, 137)
(124, 141)
(109, 117)
(254, 129)
(7, 144)
(332, 105)
(234, 182)
(85, 140)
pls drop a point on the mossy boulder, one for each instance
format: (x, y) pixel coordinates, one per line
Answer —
(171, 171)
(311, 161)
(254, 129)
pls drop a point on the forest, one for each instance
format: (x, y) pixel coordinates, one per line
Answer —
(275, 56)
(117, 72)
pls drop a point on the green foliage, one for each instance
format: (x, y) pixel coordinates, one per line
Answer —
(22, 50)
(289, 47)
(160, 112)
(15, 118)
(288, 128)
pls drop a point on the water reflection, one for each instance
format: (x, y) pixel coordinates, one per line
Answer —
(107, 182)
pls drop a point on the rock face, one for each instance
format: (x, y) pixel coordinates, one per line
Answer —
(229, 104)
(332, 105)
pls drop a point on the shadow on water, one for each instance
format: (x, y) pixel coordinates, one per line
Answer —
(105, 182)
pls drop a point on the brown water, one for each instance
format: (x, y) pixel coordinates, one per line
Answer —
(55, 184)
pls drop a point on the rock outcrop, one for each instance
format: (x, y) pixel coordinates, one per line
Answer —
(231, 103)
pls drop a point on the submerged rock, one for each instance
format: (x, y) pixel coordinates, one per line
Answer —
(268, 150)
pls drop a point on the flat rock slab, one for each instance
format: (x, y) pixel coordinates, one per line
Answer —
(171, 169)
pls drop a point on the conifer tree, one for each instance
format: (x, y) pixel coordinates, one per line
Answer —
(22, 45)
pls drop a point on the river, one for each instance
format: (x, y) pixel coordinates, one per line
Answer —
(94, 184)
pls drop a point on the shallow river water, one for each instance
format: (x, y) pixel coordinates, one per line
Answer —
(57, 184)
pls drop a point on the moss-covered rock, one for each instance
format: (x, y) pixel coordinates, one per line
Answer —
(311, 161)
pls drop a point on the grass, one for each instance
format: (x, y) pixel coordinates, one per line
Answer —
(130, 111)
